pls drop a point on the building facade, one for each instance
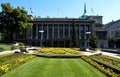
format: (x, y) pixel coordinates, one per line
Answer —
(113, 29)
(58, 32)
(100, 32)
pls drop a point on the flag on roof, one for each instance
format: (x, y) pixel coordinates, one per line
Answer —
(31, 10)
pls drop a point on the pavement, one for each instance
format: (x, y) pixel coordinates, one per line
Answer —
(8, 51)
(104, 53)
(84, 52)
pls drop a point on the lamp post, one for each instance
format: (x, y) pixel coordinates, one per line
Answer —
(41, 31)
(88, 33)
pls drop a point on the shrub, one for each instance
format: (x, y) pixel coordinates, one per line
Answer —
(9, 63)
(59, 51)
(109, 72)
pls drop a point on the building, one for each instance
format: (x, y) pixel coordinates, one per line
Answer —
(58, 31)
(113, 29)
(100, 32)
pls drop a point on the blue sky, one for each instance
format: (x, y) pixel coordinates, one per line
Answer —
(109, 9)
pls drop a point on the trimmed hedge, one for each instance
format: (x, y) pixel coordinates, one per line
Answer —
(9, 63)
(109, 72)
(107, 62)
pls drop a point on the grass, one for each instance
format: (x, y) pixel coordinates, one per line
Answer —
(50, 67)
(5, 46)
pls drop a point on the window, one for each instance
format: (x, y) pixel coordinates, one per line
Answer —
(61, 31)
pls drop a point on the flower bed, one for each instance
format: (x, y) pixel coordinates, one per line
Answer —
(108, 61)
(59, 51)
(109, 72)
(9, 63)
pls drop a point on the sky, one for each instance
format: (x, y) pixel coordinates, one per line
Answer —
(109, 9)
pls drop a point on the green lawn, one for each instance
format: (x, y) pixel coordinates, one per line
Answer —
(5, 46)
(49, 67)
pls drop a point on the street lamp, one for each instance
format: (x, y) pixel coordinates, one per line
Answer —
(88, 33)
(41, 31)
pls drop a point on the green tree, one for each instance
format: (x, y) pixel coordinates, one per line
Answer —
(111, 41)
(75, 40)
(13, 21)
(5, 23)
(93, 41)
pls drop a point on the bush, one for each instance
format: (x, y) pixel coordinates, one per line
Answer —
(108, 62)
(109, 72)
(59, 50)
(9, 63)
(1, 49)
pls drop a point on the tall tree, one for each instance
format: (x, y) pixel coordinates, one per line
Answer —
(75, 40)
(14, 20)
(5, 17)
(111, 41)
(93, 41)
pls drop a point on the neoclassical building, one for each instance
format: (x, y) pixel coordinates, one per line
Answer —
(57, 32)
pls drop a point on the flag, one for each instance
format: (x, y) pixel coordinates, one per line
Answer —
(31, 10)
(92, 10)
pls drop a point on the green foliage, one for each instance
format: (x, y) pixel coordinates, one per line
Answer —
(9, 62)
(111, 41)
(75, 36)
(108, 61)
(107, 71)
(13, 21)
(93, 41)
(5, 46)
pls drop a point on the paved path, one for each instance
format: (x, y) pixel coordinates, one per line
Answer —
(104, 53)
(8, 51)
(84, 53)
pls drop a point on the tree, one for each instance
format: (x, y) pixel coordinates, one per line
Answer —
(13, 21)
(75, 40)
(5, 17)
(93, 41)
(111, 41)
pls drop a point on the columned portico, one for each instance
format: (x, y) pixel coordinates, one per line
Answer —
(58, 31)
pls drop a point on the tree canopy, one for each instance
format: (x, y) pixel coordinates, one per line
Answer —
(74, 35)
(93, 41)
(12, 21)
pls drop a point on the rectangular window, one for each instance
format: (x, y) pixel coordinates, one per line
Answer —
(66, 30)
(50, 31)
(45, 31)
(55, 31)
(61, 31)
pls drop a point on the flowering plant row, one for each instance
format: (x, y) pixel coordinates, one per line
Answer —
(109, 72)
(106, 60)
(11, 57)
(59, 50)
(9, 65)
